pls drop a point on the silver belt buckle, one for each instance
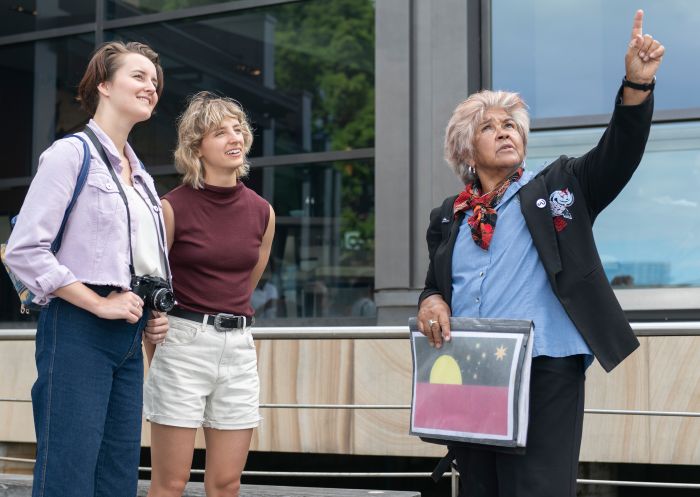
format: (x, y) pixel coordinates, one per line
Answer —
(228, 322)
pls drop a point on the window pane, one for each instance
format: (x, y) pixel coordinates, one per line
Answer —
(567, 58)
(126, 8)
(303, 71)
(41, 78)
(650, 235)
(23, 16)
(322, 261)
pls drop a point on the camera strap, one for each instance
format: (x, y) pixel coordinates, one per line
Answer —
(100, 149)
(157, 209)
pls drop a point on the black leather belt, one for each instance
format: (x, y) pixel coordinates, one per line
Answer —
(220, 321)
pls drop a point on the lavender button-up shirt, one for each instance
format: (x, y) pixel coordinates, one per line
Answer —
(95, 246)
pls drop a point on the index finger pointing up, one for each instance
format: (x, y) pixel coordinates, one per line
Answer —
(637, 24)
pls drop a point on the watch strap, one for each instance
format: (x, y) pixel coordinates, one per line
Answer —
(639, 86)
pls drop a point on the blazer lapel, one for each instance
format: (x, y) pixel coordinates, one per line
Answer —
(449, 251)
(454, 229)
(539, 222)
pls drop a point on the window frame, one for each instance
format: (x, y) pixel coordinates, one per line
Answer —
(563, 122)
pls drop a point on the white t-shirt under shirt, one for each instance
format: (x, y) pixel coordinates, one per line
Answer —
(148, 258)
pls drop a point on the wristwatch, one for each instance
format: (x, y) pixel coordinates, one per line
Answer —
(639, 86)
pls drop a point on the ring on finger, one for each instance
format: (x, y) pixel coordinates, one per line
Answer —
(431, 322)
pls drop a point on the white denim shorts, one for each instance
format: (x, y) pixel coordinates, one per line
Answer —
(203, 377)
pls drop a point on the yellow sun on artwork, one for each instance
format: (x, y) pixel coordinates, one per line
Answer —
(446, 371)
(500, 352)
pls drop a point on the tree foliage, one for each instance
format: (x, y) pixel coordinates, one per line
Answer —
(326, 49)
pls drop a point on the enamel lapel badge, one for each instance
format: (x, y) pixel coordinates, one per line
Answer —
(559, 201)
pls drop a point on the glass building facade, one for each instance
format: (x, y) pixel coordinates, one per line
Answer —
(568, 66)
(303, 71)
(348, 100)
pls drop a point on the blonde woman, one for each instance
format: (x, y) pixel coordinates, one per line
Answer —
(219, 234)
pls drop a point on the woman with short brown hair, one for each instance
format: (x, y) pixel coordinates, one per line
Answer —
(87, 398)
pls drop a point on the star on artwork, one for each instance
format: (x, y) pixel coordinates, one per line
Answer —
(500, 353)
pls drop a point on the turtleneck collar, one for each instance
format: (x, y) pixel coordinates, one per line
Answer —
(223, 190)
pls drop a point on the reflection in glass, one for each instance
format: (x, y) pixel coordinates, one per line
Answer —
(536, 53)
(117, 9)
(21, 16)
(304, 72)
(322, 261)
(40, 80)
(650, 235)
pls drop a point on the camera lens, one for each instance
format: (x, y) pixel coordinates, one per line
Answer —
(163, 300)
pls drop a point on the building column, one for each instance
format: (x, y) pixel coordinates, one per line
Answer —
(422, 61)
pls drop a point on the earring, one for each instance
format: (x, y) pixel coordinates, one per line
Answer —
(472, 170)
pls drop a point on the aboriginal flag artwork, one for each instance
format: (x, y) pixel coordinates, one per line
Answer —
(470, 389)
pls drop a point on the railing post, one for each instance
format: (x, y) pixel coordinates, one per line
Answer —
(454, 479)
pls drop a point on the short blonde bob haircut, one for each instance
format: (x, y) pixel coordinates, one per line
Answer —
(206, 111)
(461, 130)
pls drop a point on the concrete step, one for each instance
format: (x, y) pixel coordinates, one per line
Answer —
(21, 486)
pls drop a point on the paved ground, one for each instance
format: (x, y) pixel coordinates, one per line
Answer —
(21, 486)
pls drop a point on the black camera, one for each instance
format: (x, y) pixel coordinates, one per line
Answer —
(154, 291)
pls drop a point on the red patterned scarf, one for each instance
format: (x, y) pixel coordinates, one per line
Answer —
(483, 221)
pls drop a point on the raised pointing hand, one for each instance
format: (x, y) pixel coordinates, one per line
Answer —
(644, 53)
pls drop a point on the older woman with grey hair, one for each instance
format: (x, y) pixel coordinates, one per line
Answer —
(517, 245)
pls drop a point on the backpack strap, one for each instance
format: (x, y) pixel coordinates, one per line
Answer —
(79, 184)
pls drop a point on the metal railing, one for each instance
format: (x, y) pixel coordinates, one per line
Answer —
(686, 328)
(679, 328)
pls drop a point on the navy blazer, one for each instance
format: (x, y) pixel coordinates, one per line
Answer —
(568, 254)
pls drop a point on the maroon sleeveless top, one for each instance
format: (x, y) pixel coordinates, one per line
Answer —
(218, 232)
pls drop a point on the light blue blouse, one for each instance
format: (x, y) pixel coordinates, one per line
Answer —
(509, 281)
